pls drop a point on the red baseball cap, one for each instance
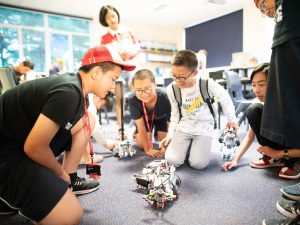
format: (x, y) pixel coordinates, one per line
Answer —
(105, 53)
(256, 2)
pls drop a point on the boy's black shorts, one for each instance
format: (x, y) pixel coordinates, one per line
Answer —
(158, 125)
(32, 189)
(28, 187)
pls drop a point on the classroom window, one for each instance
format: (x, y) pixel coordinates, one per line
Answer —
(80, 44)
(34, 47)
(9, 46)
(43, 38)
(68, 24)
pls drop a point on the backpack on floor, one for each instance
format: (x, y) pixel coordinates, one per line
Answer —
(203, 86)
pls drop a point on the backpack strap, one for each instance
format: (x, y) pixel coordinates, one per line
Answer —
(203, 86)
(177, 95)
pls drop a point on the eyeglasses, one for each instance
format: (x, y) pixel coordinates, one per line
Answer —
(147, 91)
(181, 78)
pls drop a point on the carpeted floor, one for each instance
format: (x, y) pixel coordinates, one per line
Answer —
(244, 196)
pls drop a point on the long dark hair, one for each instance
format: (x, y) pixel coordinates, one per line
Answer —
(264, 68)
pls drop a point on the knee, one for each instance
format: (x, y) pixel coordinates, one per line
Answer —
(78, 217)
(75, 217)
(199, 164)
(254, 111)
(173, 160)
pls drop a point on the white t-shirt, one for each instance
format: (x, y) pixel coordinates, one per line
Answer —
(201, 59)
(198, 120)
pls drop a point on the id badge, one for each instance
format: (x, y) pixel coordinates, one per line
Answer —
(93, 171)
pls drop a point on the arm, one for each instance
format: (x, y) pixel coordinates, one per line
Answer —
(225, 100)
(143, 137)
(37, 148)
(174, 119)
(278, 154)
(247, 141)
(130, 53)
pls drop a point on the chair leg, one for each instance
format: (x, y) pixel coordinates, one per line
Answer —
(106, 115)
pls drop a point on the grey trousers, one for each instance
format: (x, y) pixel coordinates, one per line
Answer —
(199, 146)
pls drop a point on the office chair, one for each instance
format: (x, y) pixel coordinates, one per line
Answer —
(167, 81)
(6, 80)
(235, 89)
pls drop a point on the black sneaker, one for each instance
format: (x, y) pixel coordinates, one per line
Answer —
(5, 209)
(288, 208)
(81, 186)
(281, 222)
(292, 191)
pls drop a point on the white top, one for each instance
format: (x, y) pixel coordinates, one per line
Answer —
(199, 121)
(201, 59)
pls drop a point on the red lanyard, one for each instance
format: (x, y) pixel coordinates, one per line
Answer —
(88, 125)
(147, 123)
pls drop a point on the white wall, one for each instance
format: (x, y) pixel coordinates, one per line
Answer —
(257, 33)
(145, 33)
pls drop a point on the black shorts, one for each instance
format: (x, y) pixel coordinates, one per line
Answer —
(158, 125)
(28, 187)
(32, 189)
(280, 119)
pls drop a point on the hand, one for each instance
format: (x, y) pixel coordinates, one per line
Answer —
(154, 153)
(233, 125)
(268, 151)
(99, 102)
(124, 55)
(119, 137)
(229, 165)
(65, 176)
(164, 143)
(110, 144)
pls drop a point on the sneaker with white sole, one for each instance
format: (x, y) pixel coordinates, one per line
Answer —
(290, 172)
(81, 186)
(281, 222)
(291, 192)
(266, 162)
(288, 208)
(97, 159)
(5, 209)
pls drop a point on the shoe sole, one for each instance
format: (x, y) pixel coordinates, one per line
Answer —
(266, 166)
(293, 197)
(8, 213)
(289, 177)
(284, 212)
(83, 192)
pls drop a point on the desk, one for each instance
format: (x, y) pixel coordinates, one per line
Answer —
(244, 81)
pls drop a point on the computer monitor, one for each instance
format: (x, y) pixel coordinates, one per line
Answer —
(216, 75)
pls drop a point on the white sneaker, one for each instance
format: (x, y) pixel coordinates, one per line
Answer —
(97, 159)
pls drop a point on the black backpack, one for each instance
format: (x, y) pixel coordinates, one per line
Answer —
(203, 86)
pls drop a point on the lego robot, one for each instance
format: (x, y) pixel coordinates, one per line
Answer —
(230, 143)
(160, 181)
(124, 149)
(124, 146)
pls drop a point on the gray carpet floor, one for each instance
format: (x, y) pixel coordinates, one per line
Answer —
(244, 196)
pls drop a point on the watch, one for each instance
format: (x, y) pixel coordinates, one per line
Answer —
(286, 154)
